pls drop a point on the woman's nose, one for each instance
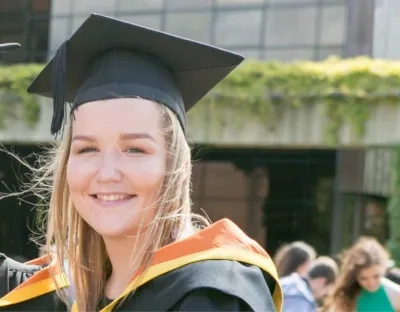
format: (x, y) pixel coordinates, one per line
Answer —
(108, 170)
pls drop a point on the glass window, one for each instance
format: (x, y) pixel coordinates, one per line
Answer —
(335, 1)
(38, 40)
(286, 55)
(291, 26)
(59, 31)
(239, 28)
(147, 20)
(333, 25)
(195, 26)
(89, 6)
(41, 5)
(238, 2)
(134, 5)
(60, 7)
(184, 4)
(324, 53)
(285, 2)
(250, 53)
(7, 6)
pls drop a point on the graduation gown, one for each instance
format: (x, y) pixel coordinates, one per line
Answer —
(216, 269)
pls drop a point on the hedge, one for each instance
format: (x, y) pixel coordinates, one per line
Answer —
(256, 89)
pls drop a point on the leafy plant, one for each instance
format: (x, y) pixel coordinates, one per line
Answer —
(14, 98)
(394, 208)
(348, 88)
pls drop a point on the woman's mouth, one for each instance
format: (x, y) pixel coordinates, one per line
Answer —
(112, 199)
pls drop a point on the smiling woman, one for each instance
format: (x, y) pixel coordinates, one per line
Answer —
(120, 209)
(361, 284)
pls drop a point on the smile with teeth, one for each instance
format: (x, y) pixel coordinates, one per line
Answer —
(113, 197)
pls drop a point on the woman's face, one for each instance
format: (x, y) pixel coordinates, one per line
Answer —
(117, 163)
(370, 278)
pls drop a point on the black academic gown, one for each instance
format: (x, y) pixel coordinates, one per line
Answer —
(218, 269)
(212, 285)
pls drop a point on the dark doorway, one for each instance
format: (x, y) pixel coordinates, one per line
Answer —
(17, 215)
(299, 205)
(300, 188)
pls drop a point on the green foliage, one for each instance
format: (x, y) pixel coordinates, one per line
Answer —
(394, 208)
(348, 88)
(14, 81)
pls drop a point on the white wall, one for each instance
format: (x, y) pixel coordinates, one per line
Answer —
(294, 127)
(386, 29)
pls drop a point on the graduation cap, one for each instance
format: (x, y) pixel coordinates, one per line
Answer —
(9, 47)
(108, 58)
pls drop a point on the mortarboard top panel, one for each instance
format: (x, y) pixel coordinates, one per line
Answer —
(194, 68)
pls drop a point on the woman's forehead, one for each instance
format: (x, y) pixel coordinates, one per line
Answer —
(127, 114)
(112, 120)
(371, 270)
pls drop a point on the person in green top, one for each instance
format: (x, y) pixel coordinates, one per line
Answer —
(362, 285)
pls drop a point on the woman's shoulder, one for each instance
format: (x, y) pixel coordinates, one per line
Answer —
(390, 285)
(209, 299)
(239, 282)
(221, 285)
(393, 291)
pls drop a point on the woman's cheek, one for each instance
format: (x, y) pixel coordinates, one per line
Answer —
(149, 170)
(80, 171)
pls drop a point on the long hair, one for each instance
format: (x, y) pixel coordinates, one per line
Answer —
(76, 240)
(366, 252)
(290, 257)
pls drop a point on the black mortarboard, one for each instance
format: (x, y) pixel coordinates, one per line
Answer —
(109, 58)
(8, 47)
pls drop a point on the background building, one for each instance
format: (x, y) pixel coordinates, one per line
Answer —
(274, 29)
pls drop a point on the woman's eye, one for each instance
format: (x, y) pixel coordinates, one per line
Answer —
(134, 150)
(87, 150)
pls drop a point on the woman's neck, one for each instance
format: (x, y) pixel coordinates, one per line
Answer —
(121, 253)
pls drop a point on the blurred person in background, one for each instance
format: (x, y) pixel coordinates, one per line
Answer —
(302, 293)
(362, 285)
(294, 257)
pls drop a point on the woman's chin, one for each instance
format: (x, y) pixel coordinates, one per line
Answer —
(114, 232)
(372, 289)
(113, 224)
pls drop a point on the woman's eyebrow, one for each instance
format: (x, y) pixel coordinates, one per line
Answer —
(135, 136)
(83, 138)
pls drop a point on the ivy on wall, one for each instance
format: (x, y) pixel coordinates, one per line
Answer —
(15, 102)
(393, 208)
(348, 88)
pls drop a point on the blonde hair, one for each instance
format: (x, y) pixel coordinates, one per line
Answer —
(88, 259)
